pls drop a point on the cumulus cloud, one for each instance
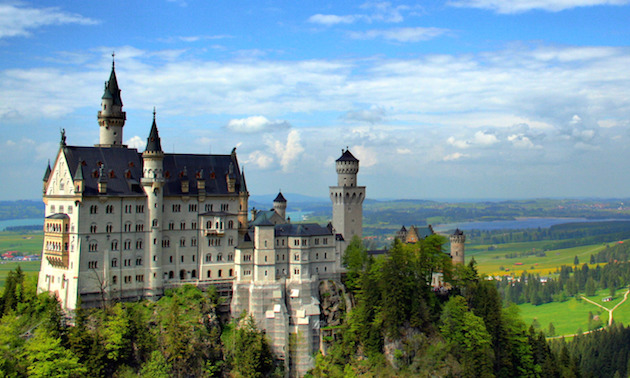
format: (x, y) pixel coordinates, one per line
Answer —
(416, 34)
(287, 152)
(136, 142)
(367, 155)
(520, 6)
(259, 159)
(256, 124)
(17, 20)
(479, 139)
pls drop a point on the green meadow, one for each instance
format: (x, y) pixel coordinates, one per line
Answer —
(27, 243)
(571, 316)
(494, 261)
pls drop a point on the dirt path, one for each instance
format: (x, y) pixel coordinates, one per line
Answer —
(610, 315)
(610, 311)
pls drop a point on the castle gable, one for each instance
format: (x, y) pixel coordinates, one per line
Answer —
(60, 178)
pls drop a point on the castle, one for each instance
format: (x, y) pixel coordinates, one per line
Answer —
(126, 225)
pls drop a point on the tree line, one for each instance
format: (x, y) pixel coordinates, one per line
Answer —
(571, 280)
(180, 335)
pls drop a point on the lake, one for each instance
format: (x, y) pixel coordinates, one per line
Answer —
(21, 222)
(519, 223)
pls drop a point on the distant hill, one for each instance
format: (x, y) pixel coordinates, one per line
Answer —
(21, 209)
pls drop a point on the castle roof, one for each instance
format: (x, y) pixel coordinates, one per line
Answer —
(301, 229)
(153, 141)
(458, 232)
(124, 170)
(280, 198)
(347, 156)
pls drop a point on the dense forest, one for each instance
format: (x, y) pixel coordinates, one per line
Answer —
(400, 327)
(21, 209)
(564, 235)
(178, 336)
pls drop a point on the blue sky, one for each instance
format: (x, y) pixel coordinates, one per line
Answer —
(438, 99)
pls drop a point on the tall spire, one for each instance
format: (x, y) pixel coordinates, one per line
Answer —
(111, 118)
(153, 142)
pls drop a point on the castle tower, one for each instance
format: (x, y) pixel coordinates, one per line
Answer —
(347, 198)
(457, 246)
(153, 182)
(280, 205)
(111, 118)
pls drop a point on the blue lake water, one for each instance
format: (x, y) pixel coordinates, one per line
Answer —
(21, 222)
(519, 223)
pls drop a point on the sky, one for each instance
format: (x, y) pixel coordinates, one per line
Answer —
(440, 99)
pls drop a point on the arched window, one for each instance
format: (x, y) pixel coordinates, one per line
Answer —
(209, 257)
(231, 224)
(182, 274)
(114, 263)
(193, 273)
(171, 275)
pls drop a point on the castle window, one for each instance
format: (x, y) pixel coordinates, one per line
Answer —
(139, 208)
(296, 257)
(127, 209)
(155, 223)
(115, 279)
(166, 243)
(219, 257)
(194, 273)
(225, 207)
(296, 242)
(138, 261)
(231, 272)
(219, 273)
(127, 245)
(317, 256)
(265, 258)
(92, 264)
(182, 242)
(177, 208)
(171, 275)
(139, 227)
(231, 224)
(208, 257)
(128, 227)
(208, 274)
(140, 278)
(171, 225)
(193, 242)
(93, 246)
(325, 256)
(115, 245)
(93, 209)
(109, 228)
(93, 228)
(208, 207)
(193, 225)
(182, 258)
(316, 241)
(170, 259)
(193, 258)
(192, 207)
(114, 263)
(182, 225)
(230, 257)
(325, 241)
(109, 209)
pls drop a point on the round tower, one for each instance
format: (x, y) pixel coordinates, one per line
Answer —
(280, 205)
(153, 182)
(111, 118)
(457, 246)
(347, 169)
(347, 198)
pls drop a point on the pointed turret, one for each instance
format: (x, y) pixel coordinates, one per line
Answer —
(154, 143)
(280, 205)
(78, 179)
(111, 118)
(46, 177)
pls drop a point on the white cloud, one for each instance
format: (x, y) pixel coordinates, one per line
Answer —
(256, 124)
(520, 6)
(287, 152)
(484, 139)
(331, 19)
(136, 142)
(454, 156)
(259, 159)
(366, 155)
(521, 141)
(18, 20)
(403, 151)
(401, 34)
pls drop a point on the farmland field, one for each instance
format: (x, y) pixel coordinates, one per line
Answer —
(494, 262)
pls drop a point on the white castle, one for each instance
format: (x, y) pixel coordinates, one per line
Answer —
(125, 225)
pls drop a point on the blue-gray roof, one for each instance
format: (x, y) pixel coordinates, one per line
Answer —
(301, 229)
